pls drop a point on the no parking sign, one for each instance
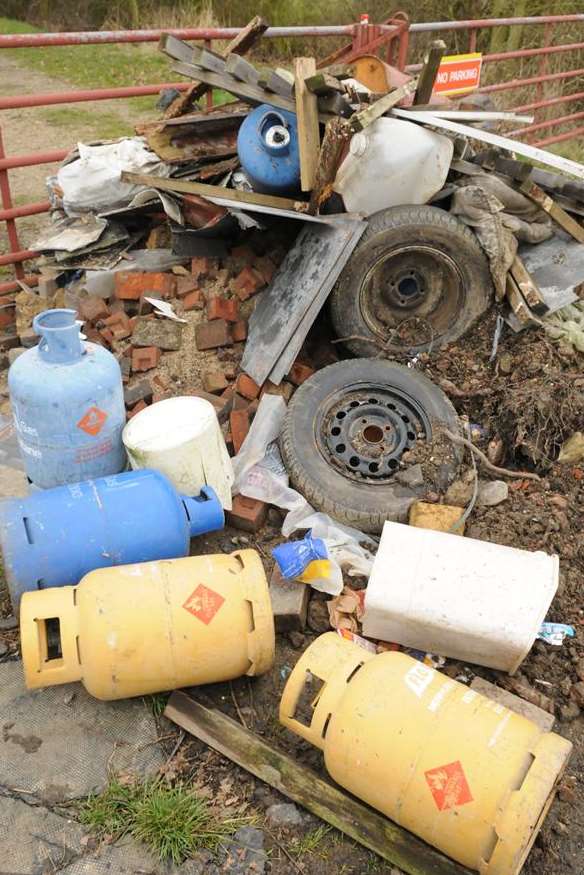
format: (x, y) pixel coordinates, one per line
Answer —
(458, 74)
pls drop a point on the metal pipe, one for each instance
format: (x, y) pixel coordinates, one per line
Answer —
(52, 98)
(33, 159)
(550, 101)
(86, 38)
(519, 53)
(548, 123)
(424, 27)
(30, 279)
(17, 257)
(5, 194)
(560, 138)
(32, 209)
(533, 80)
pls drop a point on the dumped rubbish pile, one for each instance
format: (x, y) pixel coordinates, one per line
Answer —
(337, 318)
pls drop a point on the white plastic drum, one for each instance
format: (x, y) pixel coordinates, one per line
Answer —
(458, 597)
(181, 438)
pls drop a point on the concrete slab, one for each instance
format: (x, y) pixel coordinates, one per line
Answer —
(34, 840)
(59, 743)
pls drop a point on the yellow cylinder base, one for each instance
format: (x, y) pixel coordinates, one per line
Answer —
(138, 629)
(460, 771)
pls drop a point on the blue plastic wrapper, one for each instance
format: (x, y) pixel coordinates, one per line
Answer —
(293, 557)
(554, 633)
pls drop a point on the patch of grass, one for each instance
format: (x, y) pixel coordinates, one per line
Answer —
(107, 125)
(170, 820)
(311, 843)
(100, 66)
(158, 703)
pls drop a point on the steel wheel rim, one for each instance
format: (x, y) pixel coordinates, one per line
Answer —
(364, 429)
(419, 288)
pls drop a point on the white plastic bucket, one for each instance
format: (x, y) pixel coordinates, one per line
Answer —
(458, 597)
(181, 438)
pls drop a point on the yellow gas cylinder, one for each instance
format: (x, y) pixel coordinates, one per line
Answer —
(460, 771)
(139, 629)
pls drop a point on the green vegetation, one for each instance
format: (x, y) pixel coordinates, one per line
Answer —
(158, 703)
(170, 820)
(107, 125)
(312, 843)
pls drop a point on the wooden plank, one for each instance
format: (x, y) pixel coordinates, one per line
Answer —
(528, 287)
(239, 45)
(241, 69)
(324, 83)
(335, 104)
(518, 304)
(337, 133)
(303, 786)
(429, 71)
(281, 82)
(208, 59)
(547, 203)
(368, 115)
(253, 94)
(307, 120)
(550, 159)
(239, 198)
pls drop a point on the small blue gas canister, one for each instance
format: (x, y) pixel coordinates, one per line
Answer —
(267, 145)
(68, 404)
(54, 537)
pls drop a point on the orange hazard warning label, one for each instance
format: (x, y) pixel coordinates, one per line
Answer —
(203, 603)
(449, 786)
(458, 74)
(92, 421)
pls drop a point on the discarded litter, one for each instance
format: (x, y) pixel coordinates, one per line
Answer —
(151, 627)
(397, 712)
(555, 633)
(54, 537)
(496, 597)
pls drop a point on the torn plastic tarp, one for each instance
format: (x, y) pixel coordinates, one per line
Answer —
(260, 473)
(92, 182)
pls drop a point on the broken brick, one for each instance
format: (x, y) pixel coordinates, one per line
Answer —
(286, 390)
(247, 514)
(239, 402)
(210, 335)
(163, 333)
(145, 358)
(214, 382)
(119, 324)
(131, 285)
(299, 373)
(247, 283)
(228, 393)
(194, 300)
(161, 383)
(223, 308)
(92, 309)
(289, 601)
(265, 267)
(93, 335)
(184, 285)
(107, 336)
(239, 425)
(125, 366)
(141, 391)
(201, 265)
(247, 387)
(7, 315)
(141, 405)
(218, 403)
(239, 330)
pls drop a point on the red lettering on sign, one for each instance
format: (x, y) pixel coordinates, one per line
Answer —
(92, 421)
(203, 603)
(448, 786)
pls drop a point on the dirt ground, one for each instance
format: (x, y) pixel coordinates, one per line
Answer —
(525, 404)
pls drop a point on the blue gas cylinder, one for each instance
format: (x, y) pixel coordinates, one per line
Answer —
(267, 145)
(53, 537)
(68, 404)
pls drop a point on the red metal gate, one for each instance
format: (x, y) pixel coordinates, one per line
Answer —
(395, 36)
